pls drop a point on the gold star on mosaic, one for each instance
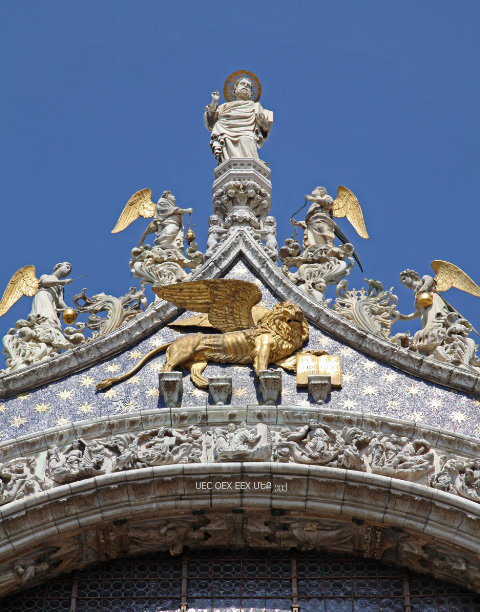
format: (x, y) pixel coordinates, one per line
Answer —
(134, 355)
(42, 407)
(23, 396)
(258, 282)
(346, 352)
(435, 403)
(348, 404)
(369, 365)
(152, 392)
(65, 394)
(112, 368)
(390, 376)
(110, 394)
(348, 378)
(369, 390)
(323, 341)
(197, 393)
(87, 381)
(476, 403)
(3, 407)
(240, 392)
(416, 416)
(134, 380)
(18, 421)
(85, 408)
(458, 416)
(240, 273)
(131, 407)
(62, 421)
(303, 402)
(155, 367)
(413, 390)
(392, 404)
(154, 342)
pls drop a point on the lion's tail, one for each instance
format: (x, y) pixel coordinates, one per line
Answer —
(109, 382)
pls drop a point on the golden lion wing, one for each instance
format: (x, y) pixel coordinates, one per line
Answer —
(139, 205)
(23, 282)
(347, 205)
(201, 320)
(448, 275)
(228, 302)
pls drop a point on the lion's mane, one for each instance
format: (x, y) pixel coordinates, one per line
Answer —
(288, 337)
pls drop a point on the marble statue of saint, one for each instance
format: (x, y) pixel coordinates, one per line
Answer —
(239, 127)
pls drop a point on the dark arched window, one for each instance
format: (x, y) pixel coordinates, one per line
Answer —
(246, 581)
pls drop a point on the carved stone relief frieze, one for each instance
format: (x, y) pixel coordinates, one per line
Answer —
(353, 443)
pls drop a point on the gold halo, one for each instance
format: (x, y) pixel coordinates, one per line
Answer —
(229, 87)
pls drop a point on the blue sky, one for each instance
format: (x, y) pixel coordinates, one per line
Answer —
(101, 99)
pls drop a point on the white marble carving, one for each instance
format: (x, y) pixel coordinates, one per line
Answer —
(80, 460)
(40, 336)
(242, 198)
(165, 262)
(242, 443)
(348, 442)
(314, 444)
(444, 334)
(306, 534)
(398, 456)
(321, 263)
(168, 446)
(119, 310)
(372, 309)
(239, 127)
(18, 479)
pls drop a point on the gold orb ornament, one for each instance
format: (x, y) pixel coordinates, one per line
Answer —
(231, 83)
(425, 299)
(69, 316)
(190, 236)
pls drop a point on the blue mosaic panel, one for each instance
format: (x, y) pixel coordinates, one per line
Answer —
(368, 387)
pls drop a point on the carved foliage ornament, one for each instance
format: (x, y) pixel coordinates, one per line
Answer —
(372, 309)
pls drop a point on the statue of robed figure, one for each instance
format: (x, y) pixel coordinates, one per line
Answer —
(241, 126)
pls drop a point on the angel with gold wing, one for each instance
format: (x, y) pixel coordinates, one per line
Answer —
(47, 291)
(320, 228)
(167, 221)
(229, 304)
(433, 310)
